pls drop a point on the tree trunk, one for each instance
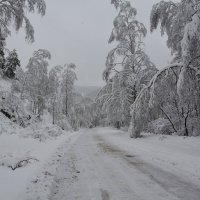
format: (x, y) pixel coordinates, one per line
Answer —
(53, 112)
(66, 101)
(178, 112)
(185, 121)
(173, 126)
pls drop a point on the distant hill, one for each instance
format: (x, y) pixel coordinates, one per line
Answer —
(93, 94)
(88, 91)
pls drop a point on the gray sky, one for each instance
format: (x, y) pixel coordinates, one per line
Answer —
(78, 30)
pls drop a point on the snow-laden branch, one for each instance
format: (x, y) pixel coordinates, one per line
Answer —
(151, 86)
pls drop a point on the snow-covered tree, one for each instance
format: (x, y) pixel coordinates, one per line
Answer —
(55, 97)
(162, 98)
(61, 102)
(15, 11)
(127, 65)
(173, 92)
(128, 33)
(37, 79)
(68, 79)
(2, 60)
(181, 22)
(86, 113)
(11, 64)
(179, 104)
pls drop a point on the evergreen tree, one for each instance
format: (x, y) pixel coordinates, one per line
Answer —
(12, 62)
(2, 60)
(2, 55)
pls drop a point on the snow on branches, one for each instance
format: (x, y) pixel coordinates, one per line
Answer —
(128, 67)
(15, 11)
(173, 92)
(128, 33)
(147, 99)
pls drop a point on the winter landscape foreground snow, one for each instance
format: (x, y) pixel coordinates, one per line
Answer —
(100, 163)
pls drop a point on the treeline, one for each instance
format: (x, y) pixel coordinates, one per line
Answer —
(137, 94)
(37, 89)
(30, 90)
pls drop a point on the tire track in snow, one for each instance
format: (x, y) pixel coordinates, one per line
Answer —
(168, 181)
(109, 173)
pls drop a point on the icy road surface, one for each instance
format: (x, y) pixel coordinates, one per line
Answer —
(105, 165)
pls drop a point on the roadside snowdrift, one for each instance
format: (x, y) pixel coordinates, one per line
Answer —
(24, 153)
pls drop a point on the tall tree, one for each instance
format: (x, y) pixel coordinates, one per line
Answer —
(127, 62)
(68, 79)
(55, 81)
(37, 79)
(180, 21)
(15, 12)
(128, 33)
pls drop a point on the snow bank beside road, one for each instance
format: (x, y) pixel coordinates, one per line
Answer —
(13, 148)
(40, 187)
(23, 154)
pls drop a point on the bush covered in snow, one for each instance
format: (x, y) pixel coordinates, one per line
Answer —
(160, 126)
(7, 126)
(42, 132)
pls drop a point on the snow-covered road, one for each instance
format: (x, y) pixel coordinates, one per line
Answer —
(105, 165)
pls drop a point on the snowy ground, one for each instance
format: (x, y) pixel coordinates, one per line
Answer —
(103, 164)
(25, 154)
(13, 183)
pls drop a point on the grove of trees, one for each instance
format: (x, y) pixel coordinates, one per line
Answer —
(136, 94)
(161, 101)
(35, 87)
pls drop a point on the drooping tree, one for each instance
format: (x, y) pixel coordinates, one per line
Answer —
(15, 11)
(180, 21)
(2, 55)
(127, 62)
(128, 33)
(102, 102)
(37, 79)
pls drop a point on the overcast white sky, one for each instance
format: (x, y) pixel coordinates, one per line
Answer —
(78, 30)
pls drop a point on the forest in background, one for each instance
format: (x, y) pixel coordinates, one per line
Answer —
(136, 94)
